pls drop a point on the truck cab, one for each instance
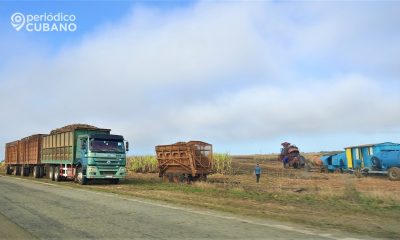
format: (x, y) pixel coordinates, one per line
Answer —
(101, 156)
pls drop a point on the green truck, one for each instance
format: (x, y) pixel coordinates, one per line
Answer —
(80, 152)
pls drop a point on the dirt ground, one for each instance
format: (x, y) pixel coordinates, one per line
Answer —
(275, 177)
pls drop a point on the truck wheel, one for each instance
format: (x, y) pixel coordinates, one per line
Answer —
(394, 174)
(51, 173)
(17, 171)
(36, 171)
(25, 171)
(8, 170)
(57, 176)
(41, 171)
(82, 180)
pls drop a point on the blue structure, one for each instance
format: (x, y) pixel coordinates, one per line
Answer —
(359, 157)
(335, 162)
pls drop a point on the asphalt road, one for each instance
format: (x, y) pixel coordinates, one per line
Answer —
(31, 209)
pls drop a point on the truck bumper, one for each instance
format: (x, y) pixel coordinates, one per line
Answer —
(93, 172)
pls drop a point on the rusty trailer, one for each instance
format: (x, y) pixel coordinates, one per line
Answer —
(24, 156)
(11, 159)
(184, 161)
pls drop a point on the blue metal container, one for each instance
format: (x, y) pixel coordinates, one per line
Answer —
(335, 162)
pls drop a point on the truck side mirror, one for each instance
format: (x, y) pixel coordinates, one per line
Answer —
(127, 146)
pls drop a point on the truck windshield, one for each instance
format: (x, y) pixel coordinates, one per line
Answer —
(100, 145)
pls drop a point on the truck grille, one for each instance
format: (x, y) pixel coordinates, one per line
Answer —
(108, 172)
(106, 162)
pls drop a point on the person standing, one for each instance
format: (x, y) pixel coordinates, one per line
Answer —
(257, 172)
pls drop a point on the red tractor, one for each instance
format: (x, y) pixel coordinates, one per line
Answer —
(290, 156)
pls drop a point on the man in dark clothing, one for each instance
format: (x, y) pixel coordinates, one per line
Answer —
(257, 172)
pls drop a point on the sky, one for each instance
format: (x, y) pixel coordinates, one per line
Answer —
(242, 75)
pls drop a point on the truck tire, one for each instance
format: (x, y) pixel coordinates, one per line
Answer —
(41, 171)
(51, 173)
(82, 180)
(8, 170)
(394, 174)
(17, 171)
(25, 171)
(36, 171)
(57, 176)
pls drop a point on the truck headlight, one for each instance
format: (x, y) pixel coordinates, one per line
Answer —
(122, 169)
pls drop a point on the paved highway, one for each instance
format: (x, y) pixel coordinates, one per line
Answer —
(37, 210)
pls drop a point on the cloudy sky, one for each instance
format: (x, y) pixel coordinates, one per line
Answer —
(242, 75)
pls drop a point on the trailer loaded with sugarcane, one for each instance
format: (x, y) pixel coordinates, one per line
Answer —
(184, 161)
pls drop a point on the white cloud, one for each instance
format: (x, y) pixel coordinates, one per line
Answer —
(229, 73)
